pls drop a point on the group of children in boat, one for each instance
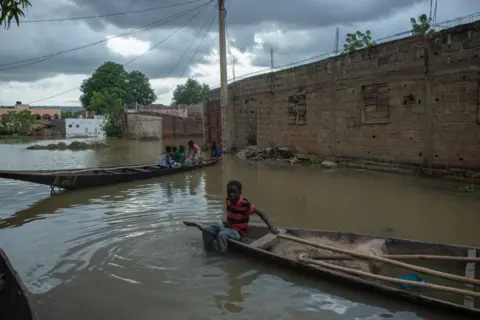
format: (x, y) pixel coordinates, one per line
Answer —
(173, 157)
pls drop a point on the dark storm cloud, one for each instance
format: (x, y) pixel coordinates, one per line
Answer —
(301, 13)
(40, 39)
(306, 43)
(315, 20)
(33, 40)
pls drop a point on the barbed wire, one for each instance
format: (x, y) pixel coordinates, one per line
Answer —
(401, 35)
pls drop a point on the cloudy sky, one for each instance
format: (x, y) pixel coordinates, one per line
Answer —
(35, 66)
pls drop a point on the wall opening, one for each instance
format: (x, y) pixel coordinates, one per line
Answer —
(376, 103)
(297, 110)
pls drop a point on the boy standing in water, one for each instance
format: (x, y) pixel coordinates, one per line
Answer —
(239, 210)
(216, 152)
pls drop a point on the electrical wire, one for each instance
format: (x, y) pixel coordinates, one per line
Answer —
(54, 96)
(232, 56)
(144, 28)
(142, 54)
(109, 14)
(194, 53)
(191, 44)
(166, 38)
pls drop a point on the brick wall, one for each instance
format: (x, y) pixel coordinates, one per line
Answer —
(413, 101)
(177, 126)
(143, 126)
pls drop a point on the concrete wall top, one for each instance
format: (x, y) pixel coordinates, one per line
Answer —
(403, 50)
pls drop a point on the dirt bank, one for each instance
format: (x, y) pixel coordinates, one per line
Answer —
(284, 154)
(75, 145)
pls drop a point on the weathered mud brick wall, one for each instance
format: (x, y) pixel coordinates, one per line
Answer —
(413, 101)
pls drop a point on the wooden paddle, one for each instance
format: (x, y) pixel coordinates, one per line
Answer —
(389, 279)
(402, 257)
(194, 224)
(382, 259)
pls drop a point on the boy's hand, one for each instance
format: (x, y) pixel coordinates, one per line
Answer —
(274, 231)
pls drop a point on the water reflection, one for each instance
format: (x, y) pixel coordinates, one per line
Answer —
(236, 281)
(194, 181)
(91, 251)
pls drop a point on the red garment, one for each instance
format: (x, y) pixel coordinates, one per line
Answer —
(238, 214)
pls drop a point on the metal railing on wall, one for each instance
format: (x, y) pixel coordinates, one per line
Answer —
(402, 35)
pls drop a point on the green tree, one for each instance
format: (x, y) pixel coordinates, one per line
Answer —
(139, 89)
(17, 122)
(111, 77)
(12, 10)
(111, 106)
(421, 26)
(358, 40)
(192, 92)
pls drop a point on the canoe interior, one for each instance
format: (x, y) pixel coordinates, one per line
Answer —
(14, 303)
(394, 246)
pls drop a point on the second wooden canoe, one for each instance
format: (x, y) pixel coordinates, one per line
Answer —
(14, 301)
(72, 179)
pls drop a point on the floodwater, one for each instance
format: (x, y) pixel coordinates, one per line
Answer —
(122, 252)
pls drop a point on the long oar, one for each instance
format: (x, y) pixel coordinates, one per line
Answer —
(389, 279)
(402, 257)
(384, 260)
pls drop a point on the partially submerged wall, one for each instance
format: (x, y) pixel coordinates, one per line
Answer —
(144, 126)
(180, 127)
(412, 101)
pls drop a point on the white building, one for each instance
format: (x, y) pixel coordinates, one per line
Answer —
(85, 127)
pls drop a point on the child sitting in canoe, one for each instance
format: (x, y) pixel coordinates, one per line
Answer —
(179, 155)
(166, 160)
(193, 152)
(239, 210)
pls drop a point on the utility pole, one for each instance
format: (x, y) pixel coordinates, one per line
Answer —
(272, 65)
(335, 46)
(233, 68)
(223, 76)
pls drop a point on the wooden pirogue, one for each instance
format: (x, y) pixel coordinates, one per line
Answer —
(72, 179)
(14, 302)
(460, 264)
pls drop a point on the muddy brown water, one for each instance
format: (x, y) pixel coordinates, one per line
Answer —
(121, 252)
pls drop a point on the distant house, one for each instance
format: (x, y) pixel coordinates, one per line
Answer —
(85, 126)
(40, 113)
(78, 111)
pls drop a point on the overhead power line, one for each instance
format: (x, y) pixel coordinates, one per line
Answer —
(166, 38)
(195, 52)
(142, 54)
(109, 14)
(194, 39)
(232, 56)
(32, 61)
(438, 26)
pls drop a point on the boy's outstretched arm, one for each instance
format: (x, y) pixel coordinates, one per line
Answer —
(265, 219)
